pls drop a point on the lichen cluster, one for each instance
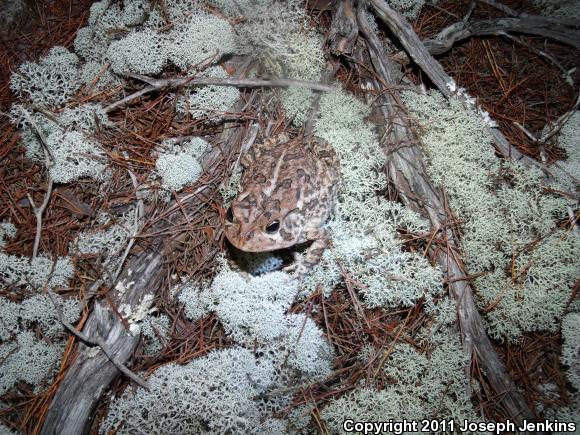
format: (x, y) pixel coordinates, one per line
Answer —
(424, 386)
(230, 388)
(511, 238)
(24, 356)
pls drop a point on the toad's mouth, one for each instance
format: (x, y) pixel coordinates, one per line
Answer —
(256, 241)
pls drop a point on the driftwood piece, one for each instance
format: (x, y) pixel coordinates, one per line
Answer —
(407, 171)
(177, 82)
(531, 25)
(92, 372)
(446, 85)
(89, 376)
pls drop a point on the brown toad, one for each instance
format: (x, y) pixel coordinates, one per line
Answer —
(289, 191)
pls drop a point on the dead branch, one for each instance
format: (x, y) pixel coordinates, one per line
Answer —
(445, 84)
(406, 170)
(139, 214)
(344, 30)
(39, 211)
(173, 83)
(559, 124)
(96, 341)
(530, 25)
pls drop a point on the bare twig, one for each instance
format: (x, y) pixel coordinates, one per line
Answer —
(172, 83)
(572, 216)
(92, 342)
(39, 211)
(533, 138)
(43, 141)
(531, 25)
(559, 124)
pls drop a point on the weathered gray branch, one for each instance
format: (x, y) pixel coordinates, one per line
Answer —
(92, 370)
(417, 51)
(406, 170)
(530, 25)
(94, 341)
(173, 83)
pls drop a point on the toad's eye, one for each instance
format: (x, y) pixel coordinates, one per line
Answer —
(273, 226)
(230, 214)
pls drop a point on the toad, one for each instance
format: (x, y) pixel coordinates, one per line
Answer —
(289, 191)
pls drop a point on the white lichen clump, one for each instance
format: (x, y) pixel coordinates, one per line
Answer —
(426, 385)
(41, 271)
(7, 231)
(195, 306)
(199, 40)
(179, 165)
(51, 81)
(568, 139)
(108, 240)
(86, 117)
(570, 357)
(196, 38)
(511, 238)
(410, 9)
(75, 157)
(26, 359)
(567, 9)
(72, 154)
(363, 232)
(82, 120)
(155, 331)
(214, 392)
(141, 52)
(23, 357)
(571, 348)
(253, 309)
(222, 392)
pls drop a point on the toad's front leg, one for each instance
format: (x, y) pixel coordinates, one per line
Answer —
(303, 263)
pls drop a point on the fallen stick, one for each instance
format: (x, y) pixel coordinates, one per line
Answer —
(173, 83)
(407, 171)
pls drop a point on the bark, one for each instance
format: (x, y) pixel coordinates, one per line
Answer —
(403, 31)
(530, 25)
(344, 30)
(407, 171)
(92, 372)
